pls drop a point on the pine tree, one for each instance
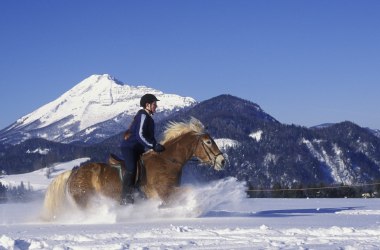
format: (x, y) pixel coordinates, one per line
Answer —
(3, 193)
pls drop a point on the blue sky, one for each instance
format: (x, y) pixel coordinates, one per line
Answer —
(303, 62)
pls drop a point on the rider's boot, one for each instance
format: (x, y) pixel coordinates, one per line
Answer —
(127, 189)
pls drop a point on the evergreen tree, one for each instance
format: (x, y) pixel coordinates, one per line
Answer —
(3, 192)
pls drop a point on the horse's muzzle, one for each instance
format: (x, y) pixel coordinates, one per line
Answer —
(220, 161)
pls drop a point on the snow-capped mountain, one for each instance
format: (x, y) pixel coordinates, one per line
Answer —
(91, 111)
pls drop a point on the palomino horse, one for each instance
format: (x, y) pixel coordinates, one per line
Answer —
(161, 178)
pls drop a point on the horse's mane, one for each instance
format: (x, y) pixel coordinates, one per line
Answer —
(176, 129)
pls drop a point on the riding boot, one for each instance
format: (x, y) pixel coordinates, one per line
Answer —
(127, 189)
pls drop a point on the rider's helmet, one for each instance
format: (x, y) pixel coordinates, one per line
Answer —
(147, 98)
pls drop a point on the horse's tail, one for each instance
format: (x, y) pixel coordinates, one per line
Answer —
(55, 196)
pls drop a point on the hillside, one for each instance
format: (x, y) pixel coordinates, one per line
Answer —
(265, 153)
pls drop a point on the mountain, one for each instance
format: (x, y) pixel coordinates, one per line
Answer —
(260, 150)
(267, 153)
(94, 109)
(376, 132)
(228, 116)
(225, 117)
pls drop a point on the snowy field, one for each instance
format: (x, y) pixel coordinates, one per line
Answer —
(212, 216)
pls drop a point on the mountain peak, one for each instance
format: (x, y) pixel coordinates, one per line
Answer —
(96, 99)
(97, 83)
(227, 98)
(104, 78)
(231, 105)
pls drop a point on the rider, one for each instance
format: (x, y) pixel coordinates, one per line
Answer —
(141, 137)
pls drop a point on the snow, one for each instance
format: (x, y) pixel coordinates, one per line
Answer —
(39, 179)
(90, 130)
(225, 143)
(99, 98)
(40, 151)
(339, 171)
(270, 159)
(94, 100)
(216, 215)
(256, 135)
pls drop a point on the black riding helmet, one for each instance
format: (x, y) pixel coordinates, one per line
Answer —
(147, 98)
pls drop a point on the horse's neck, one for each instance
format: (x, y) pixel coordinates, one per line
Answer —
(181, 149)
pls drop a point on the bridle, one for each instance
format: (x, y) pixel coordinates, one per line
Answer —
(208, 151)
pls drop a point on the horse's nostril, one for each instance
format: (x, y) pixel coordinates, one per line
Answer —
(223, 162)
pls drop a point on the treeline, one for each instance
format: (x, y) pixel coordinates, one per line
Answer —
(317, 191)
(20, 193)
(3, 192)
(15, 159)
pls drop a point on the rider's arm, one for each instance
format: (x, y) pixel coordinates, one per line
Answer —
(141, 126)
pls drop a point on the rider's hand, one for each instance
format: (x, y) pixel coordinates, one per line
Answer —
(158, 148)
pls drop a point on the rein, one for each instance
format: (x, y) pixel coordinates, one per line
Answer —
(208, 151)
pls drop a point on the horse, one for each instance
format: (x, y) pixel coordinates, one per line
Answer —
(160, 176)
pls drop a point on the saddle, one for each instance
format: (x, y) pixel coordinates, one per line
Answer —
(117, 162)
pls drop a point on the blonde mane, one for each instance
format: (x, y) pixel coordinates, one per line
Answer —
(175, 129)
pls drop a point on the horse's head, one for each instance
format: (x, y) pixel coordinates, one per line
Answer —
(208, 152)
(205, 148)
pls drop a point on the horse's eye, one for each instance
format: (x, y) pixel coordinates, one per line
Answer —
(208, 142)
